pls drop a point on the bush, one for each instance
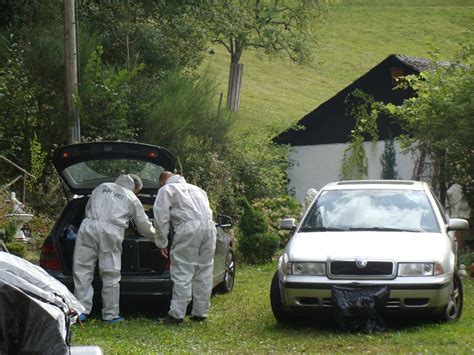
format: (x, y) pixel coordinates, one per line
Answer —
(258, 248)
(467, 259)
(47, 197)
(17, 248)
(252, 221)
(256, 245)
(469, 239)
(8, 229)
(276, 208)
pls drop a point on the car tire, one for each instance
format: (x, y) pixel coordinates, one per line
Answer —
(453, 309)
(227, 284)
(281, 315)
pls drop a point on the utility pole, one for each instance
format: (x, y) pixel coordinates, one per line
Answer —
(70, 58)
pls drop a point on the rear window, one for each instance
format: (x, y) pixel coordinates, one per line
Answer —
(378, 210)
(94, 172)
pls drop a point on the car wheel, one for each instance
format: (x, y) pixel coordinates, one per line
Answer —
(227, 283)
(281, 315)
(453, 309)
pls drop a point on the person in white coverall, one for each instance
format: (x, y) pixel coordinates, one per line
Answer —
(100, 237)
(186, 207)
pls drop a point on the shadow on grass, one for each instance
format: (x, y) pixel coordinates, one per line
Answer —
(145, 306)
(326, 324)
(137, 306)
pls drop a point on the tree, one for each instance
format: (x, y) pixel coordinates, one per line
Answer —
(18, 105)
(183, 115)
(274, 26)
(389, 161)
(439, 118)
(36, 29)
(362, 108)
(105, 101)
(163, 35)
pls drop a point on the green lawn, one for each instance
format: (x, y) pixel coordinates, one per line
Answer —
(243, 322)
(357, 35)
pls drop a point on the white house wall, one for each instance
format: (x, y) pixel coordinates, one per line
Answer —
(317, 165)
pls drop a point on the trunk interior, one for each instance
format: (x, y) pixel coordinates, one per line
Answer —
(139, 254)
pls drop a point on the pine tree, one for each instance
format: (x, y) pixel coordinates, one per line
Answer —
(389, 161)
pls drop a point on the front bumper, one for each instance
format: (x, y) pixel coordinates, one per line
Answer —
(406, 294)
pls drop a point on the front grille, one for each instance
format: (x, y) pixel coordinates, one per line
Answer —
(349, 268)
(392, 303)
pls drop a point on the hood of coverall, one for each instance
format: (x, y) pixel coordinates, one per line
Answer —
(125, 181)
(176, 179)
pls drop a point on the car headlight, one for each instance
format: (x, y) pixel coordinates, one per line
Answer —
(307, 268)
(416, 269)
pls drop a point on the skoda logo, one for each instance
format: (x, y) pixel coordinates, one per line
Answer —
(361, 263)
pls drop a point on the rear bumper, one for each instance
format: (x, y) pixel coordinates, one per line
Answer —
(136, 285)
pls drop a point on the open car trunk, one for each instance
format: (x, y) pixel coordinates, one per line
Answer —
(139, 254)
(84, 166)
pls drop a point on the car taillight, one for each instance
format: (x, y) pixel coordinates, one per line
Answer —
(48, 258)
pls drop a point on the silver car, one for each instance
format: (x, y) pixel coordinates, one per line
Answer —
(386, 233)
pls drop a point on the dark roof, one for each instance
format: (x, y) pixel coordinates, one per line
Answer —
(416, 63)
(329, 123)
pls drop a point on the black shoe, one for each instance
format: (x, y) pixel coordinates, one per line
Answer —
(169, 320)
(197, 318)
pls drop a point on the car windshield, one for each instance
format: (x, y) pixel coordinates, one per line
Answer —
(108, 170)
(373, 210)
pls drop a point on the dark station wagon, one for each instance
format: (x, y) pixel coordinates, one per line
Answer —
(145, 272)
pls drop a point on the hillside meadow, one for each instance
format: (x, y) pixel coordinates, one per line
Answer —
(355, 36)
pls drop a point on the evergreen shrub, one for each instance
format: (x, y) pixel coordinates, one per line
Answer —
(258, 248)
(256, 245)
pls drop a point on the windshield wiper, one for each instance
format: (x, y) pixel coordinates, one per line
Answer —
(321, 229)
(383, 229)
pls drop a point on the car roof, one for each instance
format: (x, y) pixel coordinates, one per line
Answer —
(376, 185)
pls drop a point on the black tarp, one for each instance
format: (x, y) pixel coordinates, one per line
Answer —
(36, 310)
(26, 327)
(359, 307)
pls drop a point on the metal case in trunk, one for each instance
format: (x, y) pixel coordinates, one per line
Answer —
(141, 255)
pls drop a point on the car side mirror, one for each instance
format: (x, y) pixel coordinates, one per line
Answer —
(457, 224)
(288, 224)
(224, 221)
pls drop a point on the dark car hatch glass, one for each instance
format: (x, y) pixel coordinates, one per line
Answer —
(84, 166)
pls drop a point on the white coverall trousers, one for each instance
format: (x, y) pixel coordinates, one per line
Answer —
(192, 265)
(103, 242)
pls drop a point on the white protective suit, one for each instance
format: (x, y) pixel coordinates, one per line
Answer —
(192, 253)
(100, 237)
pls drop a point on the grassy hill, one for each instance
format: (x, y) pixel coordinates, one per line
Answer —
(356, 35)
